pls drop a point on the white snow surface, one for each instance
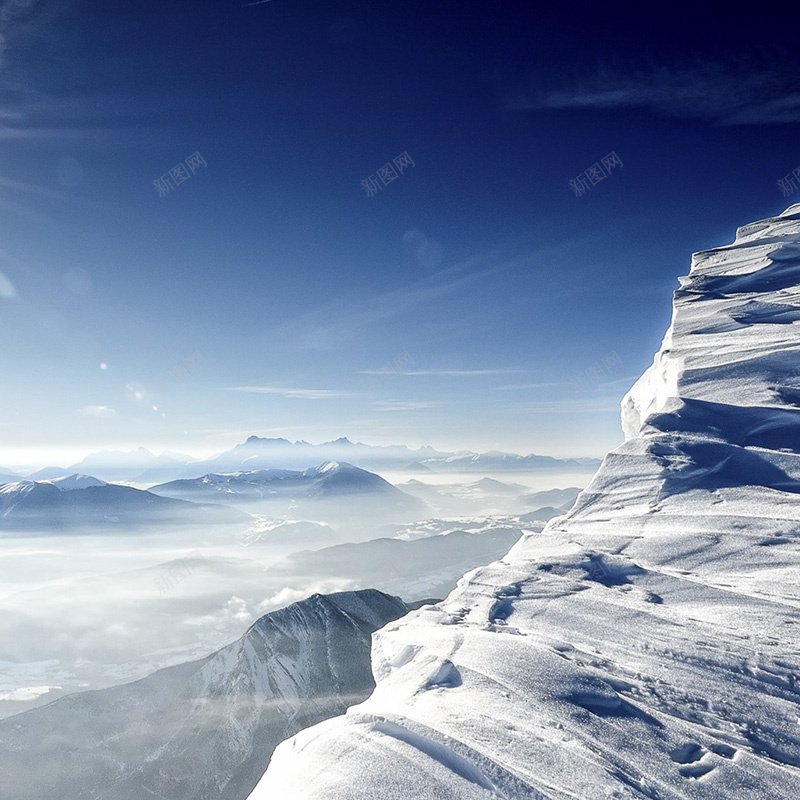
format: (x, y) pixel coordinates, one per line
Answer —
(647, 643)
(76, 481)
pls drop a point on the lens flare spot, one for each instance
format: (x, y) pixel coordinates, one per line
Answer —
(7, 289)
(134, 391)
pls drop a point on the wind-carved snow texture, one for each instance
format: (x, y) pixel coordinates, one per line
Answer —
(645, 645)
(203, 730)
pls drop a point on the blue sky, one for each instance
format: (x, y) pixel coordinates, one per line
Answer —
(473, 302)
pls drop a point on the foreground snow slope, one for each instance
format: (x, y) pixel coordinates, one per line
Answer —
(646, 645)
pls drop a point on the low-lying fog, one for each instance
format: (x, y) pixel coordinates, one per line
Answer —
(92, 608)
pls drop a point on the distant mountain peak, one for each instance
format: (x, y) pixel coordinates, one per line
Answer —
(76, 481)
(266, 440)
(141, 466)
(27, 487)
(203, 728)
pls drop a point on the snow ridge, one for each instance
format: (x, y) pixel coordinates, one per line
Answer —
(646, 644)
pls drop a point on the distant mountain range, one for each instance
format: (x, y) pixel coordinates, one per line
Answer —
(422, 567)
(562, 499)
(317, 486)
(76, 500)
(8, 476)
(207, 728)
(498, 462)
(49, 474)
(140, 465)
(258, 453)
(297, 534)
(488, 496)
(265, 453)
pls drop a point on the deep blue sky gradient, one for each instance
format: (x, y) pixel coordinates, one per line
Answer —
(522, 311)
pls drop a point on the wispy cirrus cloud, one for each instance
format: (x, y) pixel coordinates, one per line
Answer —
(445, 373)
(722, 93)
(341, 321)
(292, 393)
(408, 405)
(508, 387)
(98, 412)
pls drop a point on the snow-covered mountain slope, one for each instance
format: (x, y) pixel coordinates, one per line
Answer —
(645, 645)
(352, 500)
(81, 500)
(68, 483)
(204, 729)
(330, 479)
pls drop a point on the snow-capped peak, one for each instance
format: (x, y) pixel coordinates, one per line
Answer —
(21, 487)
(76, 481)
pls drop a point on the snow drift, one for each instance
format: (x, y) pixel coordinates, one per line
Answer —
(646, 644)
